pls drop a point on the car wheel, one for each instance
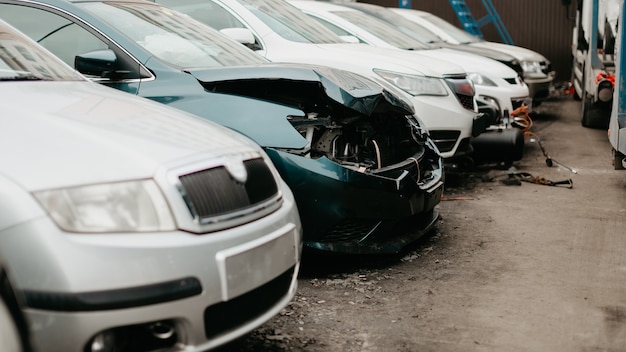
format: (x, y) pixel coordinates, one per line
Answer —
(14, 332)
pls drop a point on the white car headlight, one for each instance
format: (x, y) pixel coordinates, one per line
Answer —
(531, 66)
(135, 206)
(481, 80)
(413, 84)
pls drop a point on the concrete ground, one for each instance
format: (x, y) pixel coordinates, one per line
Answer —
(522, 267)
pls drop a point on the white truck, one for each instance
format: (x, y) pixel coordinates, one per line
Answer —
(593, 66)
(617, 121)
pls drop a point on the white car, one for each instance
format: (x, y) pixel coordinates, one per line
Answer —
(128, 225)
(496, 84)
(537, 70)
(442, 95)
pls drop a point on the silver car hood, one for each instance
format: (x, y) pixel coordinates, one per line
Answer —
(73, 133)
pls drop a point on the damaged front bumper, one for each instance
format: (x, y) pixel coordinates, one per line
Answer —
(348, 211)
(365, 173)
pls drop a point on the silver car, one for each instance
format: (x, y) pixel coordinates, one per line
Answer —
(131, 226)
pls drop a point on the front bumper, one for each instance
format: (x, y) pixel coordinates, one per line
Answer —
(506, 97)
(348, 211)
(539, 86)
(450, 125)
(212, 288)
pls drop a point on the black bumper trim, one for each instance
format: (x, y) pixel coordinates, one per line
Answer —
(114, 299)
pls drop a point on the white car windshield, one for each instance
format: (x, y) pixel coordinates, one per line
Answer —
(291, 23)
(22, 60)
(173, 36)
(381, 29)
(406, 26)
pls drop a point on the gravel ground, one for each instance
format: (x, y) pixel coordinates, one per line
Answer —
(522, 267)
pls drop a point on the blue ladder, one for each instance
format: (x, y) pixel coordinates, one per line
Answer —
(472, 26)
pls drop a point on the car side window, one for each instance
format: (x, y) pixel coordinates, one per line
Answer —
(65, 38)
(336, 29)
(209, 13)
(61, 36)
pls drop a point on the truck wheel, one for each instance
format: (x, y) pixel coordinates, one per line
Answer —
(586, 115)
(617, 160)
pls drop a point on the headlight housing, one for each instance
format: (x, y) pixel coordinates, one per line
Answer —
(531, 66)
(134, 206)
(481, 80)
(414, 84)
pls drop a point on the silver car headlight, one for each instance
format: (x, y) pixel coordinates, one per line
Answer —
(413, 84)
(481, 80)
(531, 66)
(134, 206)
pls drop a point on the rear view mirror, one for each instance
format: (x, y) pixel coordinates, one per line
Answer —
(241, 35)
(100, 63)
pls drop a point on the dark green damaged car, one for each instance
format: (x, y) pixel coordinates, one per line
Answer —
(365, 174)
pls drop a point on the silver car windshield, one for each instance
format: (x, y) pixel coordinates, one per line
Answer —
(381, 29)
(23, 60)
(172, 36)
(291, 23)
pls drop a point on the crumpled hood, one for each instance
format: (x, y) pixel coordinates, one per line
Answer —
(398, 60)
(521, 54)
(299, 85)
(58, 134)
(472, 63)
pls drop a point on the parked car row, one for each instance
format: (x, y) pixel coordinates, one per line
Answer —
(174, 217)
(535, 69)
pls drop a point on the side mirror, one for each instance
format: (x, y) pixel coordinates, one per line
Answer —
(99, 63)
(241, 35)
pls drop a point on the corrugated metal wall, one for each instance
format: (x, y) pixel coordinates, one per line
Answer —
(544, 26)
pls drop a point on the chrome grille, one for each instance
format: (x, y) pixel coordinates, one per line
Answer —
(214, 192)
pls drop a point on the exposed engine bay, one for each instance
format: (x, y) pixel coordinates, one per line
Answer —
(359, 142)
(362, 133)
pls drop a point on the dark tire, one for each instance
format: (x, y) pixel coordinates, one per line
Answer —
(586, 119)
(14, 331)
(576, 96)
(617, 160)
